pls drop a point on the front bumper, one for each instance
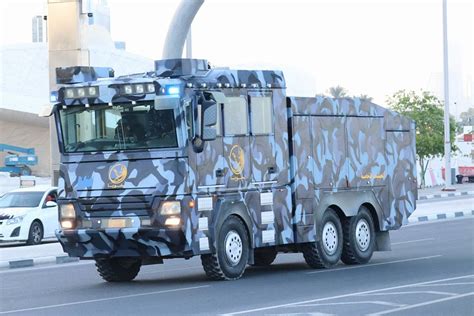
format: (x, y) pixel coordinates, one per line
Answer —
(6, 232)
(124, 242)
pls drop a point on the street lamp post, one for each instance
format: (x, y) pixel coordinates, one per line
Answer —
(447, 140)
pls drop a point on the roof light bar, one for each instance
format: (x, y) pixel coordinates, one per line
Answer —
(83, 92)
(137, 88)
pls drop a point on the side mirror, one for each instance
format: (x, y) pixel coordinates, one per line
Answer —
(50, 204)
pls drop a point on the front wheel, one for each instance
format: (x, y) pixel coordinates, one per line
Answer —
(326, 252)
(36, 234)
(359, 238)
(232, 253)
(120, 269)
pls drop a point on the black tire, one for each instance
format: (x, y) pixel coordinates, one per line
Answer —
(35, 234)
(358, 245)
(264, 257)
(220, 265)
(319, 255)
(121, 269)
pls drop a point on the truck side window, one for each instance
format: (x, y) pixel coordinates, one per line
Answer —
(189, 119)
(261, 115)
(235, 116)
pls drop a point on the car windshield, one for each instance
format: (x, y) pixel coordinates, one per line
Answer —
(121, 126)
(21, 199)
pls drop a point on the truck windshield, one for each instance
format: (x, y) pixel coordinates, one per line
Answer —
(121, 126)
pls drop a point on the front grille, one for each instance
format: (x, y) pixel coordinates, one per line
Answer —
(109, 203)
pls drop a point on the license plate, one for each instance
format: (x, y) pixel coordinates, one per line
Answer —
(118, 222)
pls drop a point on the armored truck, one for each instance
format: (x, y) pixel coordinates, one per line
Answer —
(191, 160)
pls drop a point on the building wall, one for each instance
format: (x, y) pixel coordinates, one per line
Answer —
(26, 130)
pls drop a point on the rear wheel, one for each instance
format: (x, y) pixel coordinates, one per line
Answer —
(36, 234)
(326, 252)
(119, 269)
(359, 238)
(264, 257)
(232, 253)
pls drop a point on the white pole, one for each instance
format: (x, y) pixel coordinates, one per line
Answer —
(189, 45)
(447, 141)
(179, 28)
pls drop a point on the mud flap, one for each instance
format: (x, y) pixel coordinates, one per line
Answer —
(382, 241)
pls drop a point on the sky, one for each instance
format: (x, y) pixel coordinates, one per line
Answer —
(372, 47)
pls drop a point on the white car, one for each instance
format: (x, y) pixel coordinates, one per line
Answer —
(28, 214)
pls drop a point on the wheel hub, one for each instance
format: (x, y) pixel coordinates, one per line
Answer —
(36, 234)
(330, 239)
(362, 234)
(233, 247)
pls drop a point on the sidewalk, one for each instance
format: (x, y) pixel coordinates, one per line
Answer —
(28, 256)
(437, 192)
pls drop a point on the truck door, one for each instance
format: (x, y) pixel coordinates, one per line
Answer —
(209, 162)
(262, 139)
(236, 145)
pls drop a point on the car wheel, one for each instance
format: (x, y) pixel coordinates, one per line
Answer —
(120, 269)
(36, 234)
(326, 252)
(232, 253)
(359, 238)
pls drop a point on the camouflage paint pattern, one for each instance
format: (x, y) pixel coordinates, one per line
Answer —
(318, 146)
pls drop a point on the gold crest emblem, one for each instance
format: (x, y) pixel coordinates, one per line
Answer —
(237, 162)
(117, 174)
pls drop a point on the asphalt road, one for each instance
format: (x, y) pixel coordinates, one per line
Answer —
(430, 270)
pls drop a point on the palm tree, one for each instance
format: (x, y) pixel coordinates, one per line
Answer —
(337, 92)
(365, 97)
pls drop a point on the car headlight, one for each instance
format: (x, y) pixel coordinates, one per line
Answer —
(170, 208)
(15, 220)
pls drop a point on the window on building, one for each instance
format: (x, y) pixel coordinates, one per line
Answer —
(235, 116)
(261, 115)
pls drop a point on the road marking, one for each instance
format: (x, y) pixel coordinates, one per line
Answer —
(403, 308)
(449, 284)
(412, 292)
(375, 264)
(346, 295)
(350, 303)
(102, 299)
(410, 241)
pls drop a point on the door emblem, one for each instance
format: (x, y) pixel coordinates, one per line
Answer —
(237, 162)
(117, 174)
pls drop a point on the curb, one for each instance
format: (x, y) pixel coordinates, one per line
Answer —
(25, 263)
(444, 195)
(440, 216)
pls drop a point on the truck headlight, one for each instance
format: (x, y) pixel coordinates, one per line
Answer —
(67, 215)
(15, 220)
(67, 211)
(170, 208)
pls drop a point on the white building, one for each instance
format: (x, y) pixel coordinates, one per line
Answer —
(24, 83)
